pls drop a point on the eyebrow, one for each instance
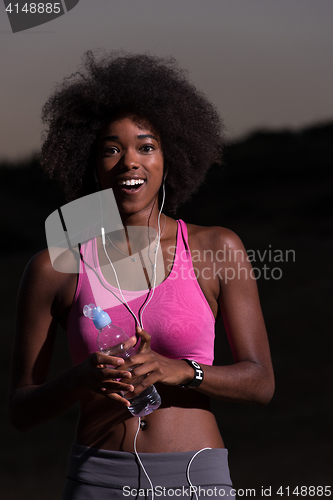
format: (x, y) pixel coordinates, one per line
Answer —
(144, 136)
(116, 137)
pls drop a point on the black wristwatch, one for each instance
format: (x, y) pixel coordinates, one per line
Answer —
(198, 375)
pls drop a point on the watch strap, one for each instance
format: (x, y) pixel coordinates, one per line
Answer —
(198, 375)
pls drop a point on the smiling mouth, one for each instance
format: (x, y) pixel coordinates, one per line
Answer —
(131, 184)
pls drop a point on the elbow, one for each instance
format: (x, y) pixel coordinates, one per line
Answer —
(265, 391)
(270, 392)
(264, 384)
(265, 397)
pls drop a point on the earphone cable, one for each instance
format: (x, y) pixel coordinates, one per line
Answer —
(138, 320)
(101, 282)
(192, 488)
(140, 461)
(155, 262)
(116, 276)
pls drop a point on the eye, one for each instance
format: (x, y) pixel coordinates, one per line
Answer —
(147, 148)
(110, 150)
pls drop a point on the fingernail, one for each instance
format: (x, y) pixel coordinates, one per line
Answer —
(138, 329)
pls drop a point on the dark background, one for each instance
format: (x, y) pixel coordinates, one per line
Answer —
(274, 192)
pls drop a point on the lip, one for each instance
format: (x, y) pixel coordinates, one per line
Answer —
(129, 178)
(125, 189)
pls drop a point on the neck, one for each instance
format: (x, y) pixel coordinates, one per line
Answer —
(140, 229)
(136, 220)
(146, 218)
(132, 240)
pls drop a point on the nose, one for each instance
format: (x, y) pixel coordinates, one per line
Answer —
(130, 159)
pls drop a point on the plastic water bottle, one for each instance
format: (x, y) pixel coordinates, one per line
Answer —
(110, 341)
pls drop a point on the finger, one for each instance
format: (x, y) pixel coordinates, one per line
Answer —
(98, 358)
(121, 399)
(142, 367)
(112, 374)
(102, 358)
(135, 381)
(129, 343)
(115, 386)
(115, 396)
(142, 385)
(145, 339)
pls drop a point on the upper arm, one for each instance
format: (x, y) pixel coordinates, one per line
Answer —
(240, 305)
(36, 322)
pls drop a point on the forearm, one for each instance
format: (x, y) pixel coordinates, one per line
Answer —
(35, 404)
(244, 382)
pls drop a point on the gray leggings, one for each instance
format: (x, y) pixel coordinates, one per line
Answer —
(94, 474)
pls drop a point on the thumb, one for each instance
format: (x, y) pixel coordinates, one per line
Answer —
(133, 340)
(144, 337)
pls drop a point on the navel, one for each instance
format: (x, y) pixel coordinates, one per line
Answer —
(142, 424)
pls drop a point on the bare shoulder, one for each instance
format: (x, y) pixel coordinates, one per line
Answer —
(40, 267)
(216, 238)
(50, 263)
(45, 283)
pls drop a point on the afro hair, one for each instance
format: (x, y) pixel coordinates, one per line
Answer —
(151, 88)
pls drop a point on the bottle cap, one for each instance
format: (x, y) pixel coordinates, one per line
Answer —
(100, 318)
(88, 311)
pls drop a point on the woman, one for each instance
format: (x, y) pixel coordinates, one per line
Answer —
(139, 127)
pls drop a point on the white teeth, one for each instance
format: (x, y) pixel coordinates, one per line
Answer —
(131, 182)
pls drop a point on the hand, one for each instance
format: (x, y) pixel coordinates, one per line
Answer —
(103, 374)
(150, 367)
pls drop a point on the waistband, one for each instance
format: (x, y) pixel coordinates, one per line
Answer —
(116, 469)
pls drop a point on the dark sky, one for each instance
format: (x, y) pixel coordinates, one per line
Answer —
(263, 63)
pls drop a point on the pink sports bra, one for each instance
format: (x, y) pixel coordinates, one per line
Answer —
(178, 318)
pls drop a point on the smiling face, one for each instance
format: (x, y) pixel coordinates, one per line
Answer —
(130, 161)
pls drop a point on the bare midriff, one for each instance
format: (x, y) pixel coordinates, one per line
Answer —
(184, 422)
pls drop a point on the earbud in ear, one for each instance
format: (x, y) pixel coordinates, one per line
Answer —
(165, 174)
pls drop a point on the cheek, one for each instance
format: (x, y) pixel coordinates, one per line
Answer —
(158, 166)
(104, 176)
(104, 167)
